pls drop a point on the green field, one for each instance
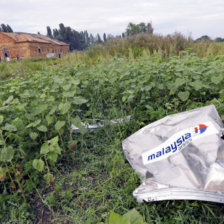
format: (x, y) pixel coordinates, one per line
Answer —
(48, 175)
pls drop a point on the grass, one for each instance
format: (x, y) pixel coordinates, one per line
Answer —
(91, 176)
(166, 46)
(24, 67)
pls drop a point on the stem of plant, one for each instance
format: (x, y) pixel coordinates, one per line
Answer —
(18, 182)
(10, 175)
(61, 140)
(41, 198)
(46, 163)
(69, 122)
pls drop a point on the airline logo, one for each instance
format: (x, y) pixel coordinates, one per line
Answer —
(178, 142)
(200, 129)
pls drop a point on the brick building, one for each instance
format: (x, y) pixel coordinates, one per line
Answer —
(25, 45)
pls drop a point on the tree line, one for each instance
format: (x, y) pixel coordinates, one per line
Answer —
(5, 28)
(207, 38)
(76, 40)
(82, 40)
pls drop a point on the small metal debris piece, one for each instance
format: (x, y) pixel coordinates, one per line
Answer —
(101, 123)
(180, 157)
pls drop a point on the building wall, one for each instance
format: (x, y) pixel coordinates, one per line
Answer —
(14, 51)
(41, 50)
(4, 43)
(9, 48)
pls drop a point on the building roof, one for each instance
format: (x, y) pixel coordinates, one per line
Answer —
(35, 38)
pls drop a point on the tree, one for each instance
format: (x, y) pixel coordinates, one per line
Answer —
(98, 39)
(219, 39)
(133, 29)
(86, 37)
(9, 29)
(110, 36)
(62, 31)
(49, 32)
(203, 38)
(55, 33)
(91, 38)
(5, 28)
(76, 40)
(149, 28)
(104, 37)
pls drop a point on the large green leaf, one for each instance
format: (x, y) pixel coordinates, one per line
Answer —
(8, 100)
(76, 82)
(52, 156)
(6, 154)
(34, 124)
(134, 217)
(51, 146)
(10, 128)
(59, 125)
(216, 79)
(44, 148)
(117, 219)
(53, 109)
(69, 94)
(184, 95)
(64, 107)
(66, 87)
(179, 82)
(33, 135)
(40, 109)
(42, 128)
(197, 85)
(79, 100)
(54, 141)
(1, 119)
(49, 177)
(54, 147)
(49, 119)
(38, 164)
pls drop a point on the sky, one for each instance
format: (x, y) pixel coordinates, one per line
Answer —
(190, 17)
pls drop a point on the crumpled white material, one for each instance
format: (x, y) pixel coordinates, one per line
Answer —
(179, 157)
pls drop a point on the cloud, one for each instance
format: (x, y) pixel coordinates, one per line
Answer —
(112, 16)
